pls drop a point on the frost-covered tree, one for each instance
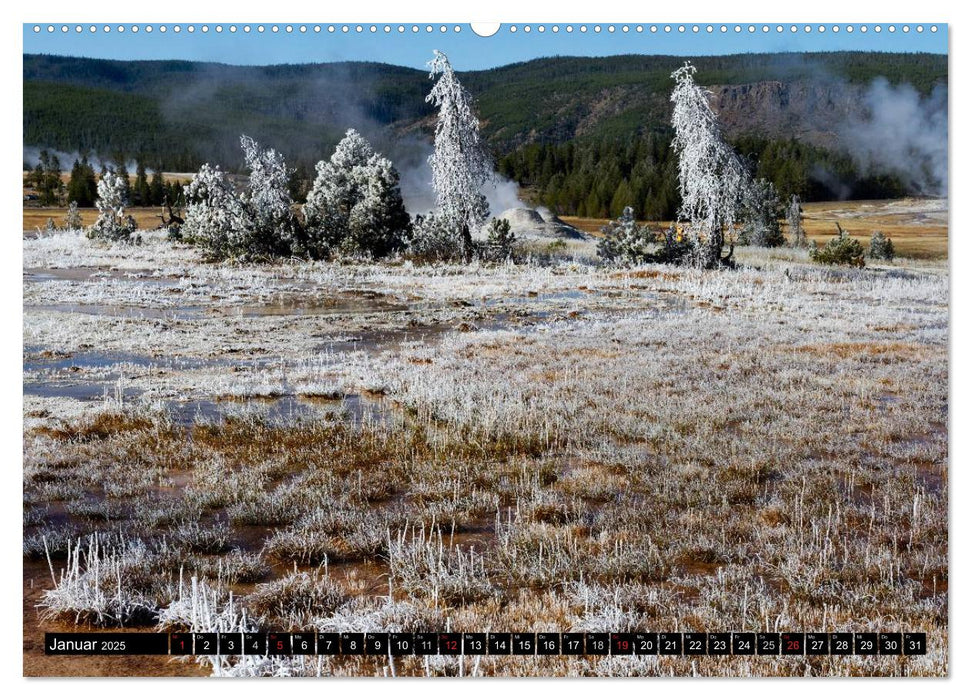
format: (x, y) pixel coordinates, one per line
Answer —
(379, 224)
(355, 203)
(625, 241)
(72, 220)
(797, 234)
(881, 247)
(214, 215)
(460, 164)
(112, 224)
(272, 223)
(255, 223)
(712, 179)
(760, 219)
(433, 239)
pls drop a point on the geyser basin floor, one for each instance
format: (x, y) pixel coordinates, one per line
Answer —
(537, 447)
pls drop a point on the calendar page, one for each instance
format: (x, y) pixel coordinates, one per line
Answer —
(549, 349)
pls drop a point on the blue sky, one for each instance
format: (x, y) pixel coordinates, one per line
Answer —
(466, 50)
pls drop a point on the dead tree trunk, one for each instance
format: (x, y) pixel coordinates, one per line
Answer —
(466, 243)
(173, 219)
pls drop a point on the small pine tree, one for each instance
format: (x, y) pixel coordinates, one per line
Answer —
(625, 241)
(47, 178)
(433, 239)
(760, 223)
(881, 247)
(112, 224)
(257, 223)
(121, 169)
(675, 248)
(272, 227)
(141, 195)
(156, 190)
(500, 241)
(355, 204)
(83, 185)
(214, 214)
(841, 250)
(72, 220)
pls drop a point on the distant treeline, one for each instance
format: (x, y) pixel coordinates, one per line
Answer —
(82, 184)
(555, 124)
(599, 178)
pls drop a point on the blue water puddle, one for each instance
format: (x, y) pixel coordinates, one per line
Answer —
(80, 391)
(36, 361)
(174, 313)
(285, 410)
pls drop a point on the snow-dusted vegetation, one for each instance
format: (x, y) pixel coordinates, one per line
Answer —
(712, 179)
(547, 446)
(355, 204)
(460, 165)
(258, 424)
(112, 223)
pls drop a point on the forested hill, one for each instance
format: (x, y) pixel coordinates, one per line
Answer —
(177, 114)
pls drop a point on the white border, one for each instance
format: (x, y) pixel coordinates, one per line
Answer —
(384, 11)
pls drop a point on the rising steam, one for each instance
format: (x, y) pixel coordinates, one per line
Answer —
(903, 132)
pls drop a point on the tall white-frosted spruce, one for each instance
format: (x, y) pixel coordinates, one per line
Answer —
(712, 178)
(460, 164)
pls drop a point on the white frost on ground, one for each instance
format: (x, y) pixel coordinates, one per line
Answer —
(187, 331)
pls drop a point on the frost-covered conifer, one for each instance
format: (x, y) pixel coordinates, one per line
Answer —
(255, 223)
(881, 247)
(355, 203)
(841, 250)
(214, 214)
(379, 223)
(433, 239)
(712, 178)
(797, 234)
(460, 164)
(273, 226)
(72, 220)
(760, 226)
(111, 224)
(625, 241)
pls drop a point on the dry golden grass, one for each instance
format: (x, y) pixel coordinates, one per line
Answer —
(593, 226)
(892, 352)
(36, 217)
(147, 217)
(914, 234)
